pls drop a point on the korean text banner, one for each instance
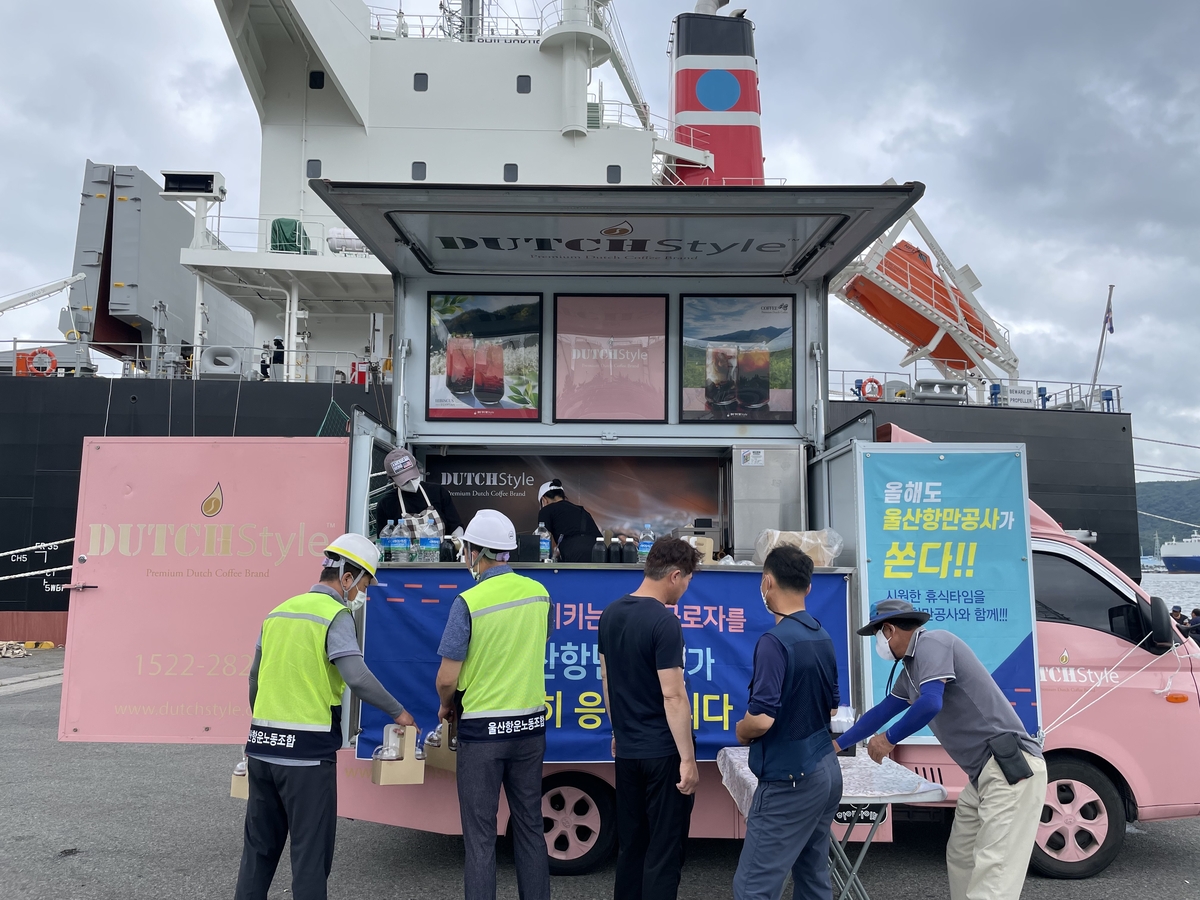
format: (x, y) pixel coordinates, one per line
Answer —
(947, 529)
(722, 616)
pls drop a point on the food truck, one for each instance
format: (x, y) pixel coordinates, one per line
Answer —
(662, 352)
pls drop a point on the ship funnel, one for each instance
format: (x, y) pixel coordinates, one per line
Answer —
(714, 102)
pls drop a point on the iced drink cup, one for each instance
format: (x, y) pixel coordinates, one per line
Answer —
(720, 372)
(489, 372)
(753, 376)
(460, 365)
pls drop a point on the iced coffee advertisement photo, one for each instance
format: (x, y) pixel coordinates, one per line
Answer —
(485, 354)
(611, 359)
(737, 359)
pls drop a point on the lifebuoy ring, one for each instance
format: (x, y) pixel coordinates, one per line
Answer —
(871, 390)
(42, 362)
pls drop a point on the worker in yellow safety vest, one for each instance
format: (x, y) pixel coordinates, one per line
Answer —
(308, 652)
(492, 680)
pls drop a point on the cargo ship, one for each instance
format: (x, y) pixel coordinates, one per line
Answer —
(1182, 556)
(190, 322)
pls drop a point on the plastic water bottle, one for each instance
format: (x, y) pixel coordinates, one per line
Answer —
(543, 542)
(645, 542)
(402, 545)
(384, 541)
(431, 543)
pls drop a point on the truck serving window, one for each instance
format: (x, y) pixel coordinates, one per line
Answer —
(1066, 592)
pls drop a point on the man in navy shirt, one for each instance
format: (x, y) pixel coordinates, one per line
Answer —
(793, 694)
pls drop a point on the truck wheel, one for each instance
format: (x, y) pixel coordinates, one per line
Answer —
(579, 820)
(1083, 821)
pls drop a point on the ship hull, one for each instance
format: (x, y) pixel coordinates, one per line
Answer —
(1188, 564)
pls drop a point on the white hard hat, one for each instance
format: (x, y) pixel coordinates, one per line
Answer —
(492, 529)
(356, 549)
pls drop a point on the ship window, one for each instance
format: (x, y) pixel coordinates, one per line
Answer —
(1066, 592)
(316, 80)
(510, 171)
(418, 171)
(614, 174)
(421, 81)
(524, 84)
(313, 169)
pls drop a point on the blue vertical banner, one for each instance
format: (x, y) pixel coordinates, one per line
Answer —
(722, 617)
(946, 528)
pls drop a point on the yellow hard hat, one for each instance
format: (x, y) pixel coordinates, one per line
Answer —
(356, 549)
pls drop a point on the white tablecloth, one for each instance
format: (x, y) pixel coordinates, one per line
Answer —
(863, 781)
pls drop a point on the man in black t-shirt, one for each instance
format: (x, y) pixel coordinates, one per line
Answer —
(642, 666)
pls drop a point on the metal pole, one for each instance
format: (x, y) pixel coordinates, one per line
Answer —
(289, 346)
(399, 354)
(198, 328)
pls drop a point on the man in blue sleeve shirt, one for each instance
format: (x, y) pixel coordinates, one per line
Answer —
(793, 694)
(945, 686)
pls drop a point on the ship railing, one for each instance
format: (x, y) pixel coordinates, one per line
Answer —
(56, 358)
(285, 235)
(449, 25)
(1014, 393)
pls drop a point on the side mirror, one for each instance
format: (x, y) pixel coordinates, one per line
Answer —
(1161, 631)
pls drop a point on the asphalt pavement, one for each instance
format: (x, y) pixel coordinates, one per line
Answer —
(146, 821)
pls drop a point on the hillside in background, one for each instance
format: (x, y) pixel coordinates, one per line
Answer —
(1173, 499)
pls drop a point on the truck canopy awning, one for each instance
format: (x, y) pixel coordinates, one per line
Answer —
(792, 233)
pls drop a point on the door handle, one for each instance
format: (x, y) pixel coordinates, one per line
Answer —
(82, 587)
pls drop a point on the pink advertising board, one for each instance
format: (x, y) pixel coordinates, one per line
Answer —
(190, 542)
(610, 359)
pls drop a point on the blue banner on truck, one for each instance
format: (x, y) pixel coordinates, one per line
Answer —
(947, 529)
(722, 616)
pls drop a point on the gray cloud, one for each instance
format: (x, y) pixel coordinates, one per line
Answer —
(1058, 141)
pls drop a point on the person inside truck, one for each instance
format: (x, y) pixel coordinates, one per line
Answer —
(307, 653)
(572, 528)
(943, 684)
(414, 499)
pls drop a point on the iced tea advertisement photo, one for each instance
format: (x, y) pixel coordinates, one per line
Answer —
(485, 353)
(737, 361)
(611, 359)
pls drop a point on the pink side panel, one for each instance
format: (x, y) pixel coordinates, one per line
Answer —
(160, 649)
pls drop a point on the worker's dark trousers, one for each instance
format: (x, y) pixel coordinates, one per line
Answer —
(482, 766)
(788, 828)
(653, 820)
(301, 800)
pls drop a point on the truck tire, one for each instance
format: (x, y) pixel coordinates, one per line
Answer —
(580, 822)
(1083, 821)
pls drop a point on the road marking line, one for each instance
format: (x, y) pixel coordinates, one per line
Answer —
(22, 687)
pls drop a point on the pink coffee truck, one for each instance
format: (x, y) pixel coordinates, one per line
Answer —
(177, 566)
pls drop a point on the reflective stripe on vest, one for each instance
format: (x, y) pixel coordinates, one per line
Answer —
(504, 672)
(297, 684)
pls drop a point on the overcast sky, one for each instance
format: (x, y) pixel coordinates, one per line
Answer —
(1058, 142)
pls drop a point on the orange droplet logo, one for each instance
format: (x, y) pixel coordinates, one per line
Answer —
(617, 230)
(213, 502)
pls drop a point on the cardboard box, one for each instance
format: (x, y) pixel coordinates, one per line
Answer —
(239, 787)
(407, 769)
(443, 757)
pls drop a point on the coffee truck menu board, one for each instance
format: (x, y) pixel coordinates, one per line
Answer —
(611, 359)
(737, 361)
(485, 354)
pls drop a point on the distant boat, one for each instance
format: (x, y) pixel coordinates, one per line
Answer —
(1152, 564)
(1182, 556)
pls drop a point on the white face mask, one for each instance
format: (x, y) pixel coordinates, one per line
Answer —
(882, 648)
(762, 594)
(411, 486)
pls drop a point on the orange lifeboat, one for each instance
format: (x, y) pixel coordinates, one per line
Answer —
(938, 309)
